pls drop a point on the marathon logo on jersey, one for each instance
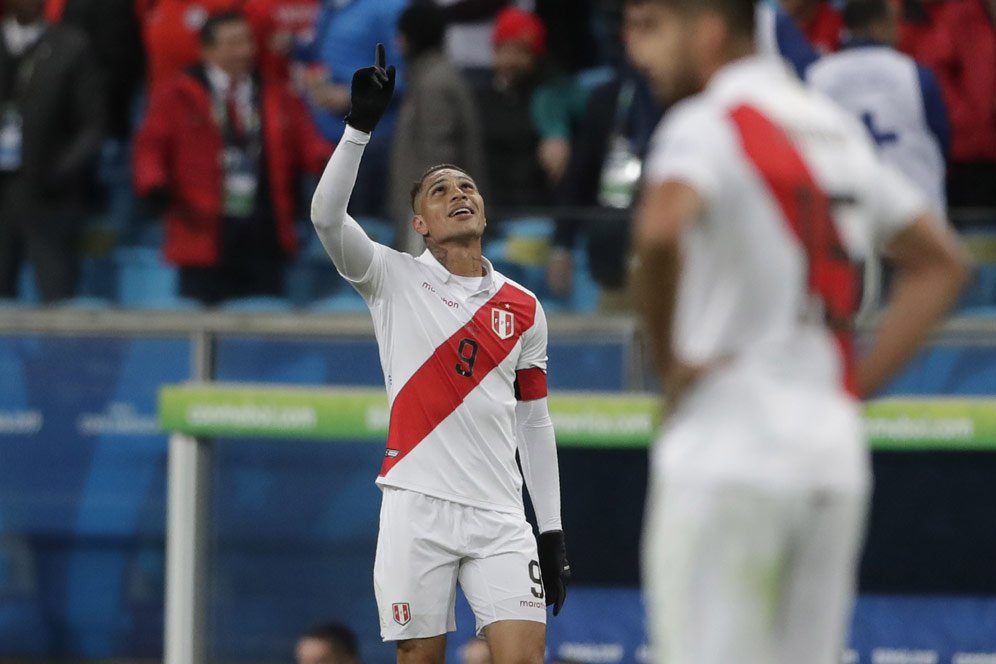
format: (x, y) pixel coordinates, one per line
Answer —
(502, 322)
(402, 613)
(391, 453)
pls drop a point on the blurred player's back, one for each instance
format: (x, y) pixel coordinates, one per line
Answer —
(794, 197)
(760, 196)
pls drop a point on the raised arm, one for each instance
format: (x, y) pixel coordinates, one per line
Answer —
(351, 250)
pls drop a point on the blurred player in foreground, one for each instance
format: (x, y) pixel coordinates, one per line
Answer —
(759, 194)
(464, 356)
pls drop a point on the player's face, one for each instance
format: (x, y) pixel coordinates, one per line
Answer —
(514, 61)
(638, 19)
(314, 651)
(449, 207)
(660, 45)
(234, 49)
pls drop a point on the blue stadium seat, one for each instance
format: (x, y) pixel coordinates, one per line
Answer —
(981, 291)
(584, 296)
(312, 278)
(380, 230)
(27, 287)
(149, 233)
(979, 312)
(168, 303)
(260, 303)
(346, 302)
(87, 303)
(143, 276)
(98, 277)
(521, 252)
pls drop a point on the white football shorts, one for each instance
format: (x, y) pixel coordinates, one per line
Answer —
(426, 545)
(754, 524)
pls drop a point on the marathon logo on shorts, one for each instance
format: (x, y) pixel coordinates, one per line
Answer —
(402, 613)
(391, 453)
(502, 322)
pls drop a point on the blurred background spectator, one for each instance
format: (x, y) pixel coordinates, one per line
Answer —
(346, 33)
(116, 39)
(469, 26)
(818, 20)
(171, 30)
(898, 100)
(778, 34)
(516, 177)
(956, 39)
(438, 122)
(570, 40)
(327, 644)
(519, 118)
(52, 121)
(220, 149)
(280, 27)
(604, 171)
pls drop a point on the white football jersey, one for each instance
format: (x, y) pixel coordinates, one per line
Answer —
(882, 87)
(450, 348)
(793, 194)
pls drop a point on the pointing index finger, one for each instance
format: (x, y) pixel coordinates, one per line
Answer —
(380, 60)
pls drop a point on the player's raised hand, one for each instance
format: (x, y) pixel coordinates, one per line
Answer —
(554, 567)
(371, 93)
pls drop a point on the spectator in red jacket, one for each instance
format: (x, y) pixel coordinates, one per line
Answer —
(221, 151)
(957, 40)
(171, 34)
(279, 26)
(821, 23)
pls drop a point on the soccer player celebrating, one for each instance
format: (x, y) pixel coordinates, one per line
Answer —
(463, 350)
(759, 194)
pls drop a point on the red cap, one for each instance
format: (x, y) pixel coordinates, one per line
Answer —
(513, 24)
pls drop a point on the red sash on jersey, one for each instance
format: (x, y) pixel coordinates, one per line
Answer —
(806, 208)
(457, 366)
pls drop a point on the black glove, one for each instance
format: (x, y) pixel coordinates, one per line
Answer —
(371, 93)
(554, 567)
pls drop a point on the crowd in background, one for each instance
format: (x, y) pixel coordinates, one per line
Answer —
(207, 120)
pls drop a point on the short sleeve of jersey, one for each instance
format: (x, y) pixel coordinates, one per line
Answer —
(533, 355)
(685, 147)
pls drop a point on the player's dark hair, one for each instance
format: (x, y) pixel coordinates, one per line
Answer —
(861, 14)
(417, 185)
(739, 14)
(423, 25)
(338, 636)
(209, 31)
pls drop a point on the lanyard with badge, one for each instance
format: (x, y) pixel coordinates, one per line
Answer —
(622, 167)
(241, 162)
(11, 120)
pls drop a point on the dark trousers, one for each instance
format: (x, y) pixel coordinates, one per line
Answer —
(251, 264)
(47, 238)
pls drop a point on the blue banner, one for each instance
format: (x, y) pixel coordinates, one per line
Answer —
(82, 494)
